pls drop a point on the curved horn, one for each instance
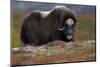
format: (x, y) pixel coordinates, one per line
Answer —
(61, 29)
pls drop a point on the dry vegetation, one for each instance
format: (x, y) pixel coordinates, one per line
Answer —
(55, 52)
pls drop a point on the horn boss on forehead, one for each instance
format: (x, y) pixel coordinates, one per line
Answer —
(69, 22)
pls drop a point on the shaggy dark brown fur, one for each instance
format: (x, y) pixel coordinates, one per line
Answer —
(41, 27)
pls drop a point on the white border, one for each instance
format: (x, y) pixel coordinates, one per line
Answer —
(5, 33)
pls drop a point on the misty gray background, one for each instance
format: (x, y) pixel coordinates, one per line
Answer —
(22, 6)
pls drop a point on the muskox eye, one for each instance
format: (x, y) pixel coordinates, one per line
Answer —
(69, 22)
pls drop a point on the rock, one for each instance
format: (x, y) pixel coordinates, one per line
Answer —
(15, 49)
(90, 41)
(70, 45)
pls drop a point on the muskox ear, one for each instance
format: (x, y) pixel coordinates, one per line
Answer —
(69, 22)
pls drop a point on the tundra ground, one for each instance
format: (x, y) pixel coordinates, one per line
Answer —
(55, 52)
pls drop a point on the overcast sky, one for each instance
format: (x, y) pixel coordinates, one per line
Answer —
(31, 6)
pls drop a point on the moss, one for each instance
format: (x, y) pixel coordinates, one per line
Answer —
(15, 38)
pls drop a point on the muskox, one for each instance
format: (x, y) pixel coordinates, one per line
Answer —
(41, 27)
